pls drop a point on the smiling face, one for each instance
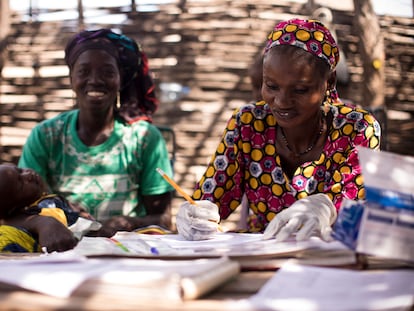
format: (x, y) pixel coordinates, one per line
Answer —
(96, 80)
(18, 188)
(294, 85)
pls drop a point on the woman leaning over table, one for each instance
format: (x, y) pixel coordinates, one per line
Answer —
(102, 157)
(294, 153)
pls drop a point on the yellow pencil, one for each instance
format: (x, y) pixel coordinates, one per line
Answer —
(176, 187)
(181, 191)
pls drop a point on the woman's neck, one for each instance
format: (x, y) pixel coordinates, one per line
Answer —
(310, 149)
(94, 130)
(301, 140)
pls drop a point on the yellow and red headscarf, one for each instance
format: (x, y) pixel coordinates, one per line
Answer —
(311, 36)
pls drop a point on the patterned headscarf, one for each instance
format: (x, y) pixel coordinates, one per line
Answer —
(311, 36)
(133, 64)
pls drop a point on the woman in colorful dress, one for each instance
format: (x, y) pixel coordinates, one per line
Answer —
(293, 154)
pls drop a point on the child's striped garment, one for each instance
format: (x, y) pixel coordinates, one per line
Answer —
(16, 240)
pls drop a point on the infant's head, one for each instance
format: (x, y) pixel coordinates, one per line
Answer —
(18, 188)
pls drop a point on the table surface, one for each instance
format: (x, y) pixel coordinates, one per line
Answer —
(225, 298)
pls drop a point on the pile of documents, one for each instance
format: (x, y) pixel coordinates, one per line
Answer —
(61, 274)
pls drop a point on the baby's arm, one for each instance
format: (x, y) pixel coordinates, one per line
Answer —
(50, 233)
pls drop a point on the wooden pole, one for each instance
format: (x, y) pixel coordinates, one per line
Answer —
(4, 19)
(80, 14)
(372, 51)
(4, 33)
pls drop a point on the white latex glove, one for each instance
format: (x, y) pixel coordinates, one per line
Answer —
(197, 222)
(309, 216)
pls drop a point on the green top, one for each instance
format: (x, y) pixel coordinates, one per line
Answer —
(108, 179)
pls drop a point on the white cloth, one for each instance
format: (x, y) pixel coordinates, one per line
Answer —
(309, 216)
(199, 221)
(83, 225)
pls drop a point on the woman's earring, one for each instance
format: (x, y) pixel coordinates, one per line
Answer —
(74, 101)
(326, 108)
(327, 102)
(118, 101)
(328, 95)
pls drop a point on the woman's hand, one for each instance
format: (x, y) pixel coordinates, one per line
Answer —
(199, 221)
(82, 212)
(309, 216)
(113, 225)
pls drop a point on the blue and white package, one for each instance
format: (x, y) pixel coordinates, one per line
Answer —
(346, 227)
(383, 224)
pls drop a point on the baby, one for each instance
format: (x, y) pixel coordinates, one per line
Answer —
(22, 191)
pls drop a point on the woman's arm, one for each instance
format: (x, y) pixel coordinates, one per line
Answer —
(158, 209)
(158, 213)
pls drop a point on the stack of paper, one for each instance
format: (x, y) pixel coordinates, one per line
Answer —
(60, 274)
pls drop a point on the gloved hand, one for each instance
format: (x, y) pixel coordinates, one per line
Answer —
(308, 216)
(197, 222)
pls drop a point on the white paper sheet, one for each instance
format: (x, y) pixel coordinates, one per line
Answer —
(307, 288)
(225, 244)
(58, 274)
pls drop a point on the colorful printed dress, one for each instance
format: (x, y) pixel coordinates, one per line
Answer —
(247, 161)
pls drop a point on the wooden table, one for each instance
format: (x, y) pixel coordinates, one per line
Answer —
(224, 298)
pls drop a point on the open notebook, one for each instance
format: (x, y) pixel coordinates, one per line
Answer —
(248, 249)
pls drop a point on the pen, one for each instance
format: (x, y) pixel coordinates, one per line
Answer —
(141, 247)
(176, 187)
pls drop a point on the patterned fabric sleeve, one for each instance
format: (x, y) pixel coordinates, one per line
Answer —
(347, 181)
(222, 180)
